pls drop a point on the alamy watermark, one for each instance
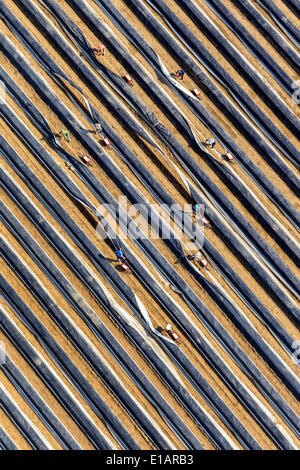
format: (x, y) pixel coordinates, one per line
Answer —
(2, 92)
(296, 94)
(152, 221)
(2, 353)
(296, 353)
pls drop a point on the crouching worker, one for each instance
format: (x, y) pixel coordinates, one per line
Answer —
(65, 134)
(210, 142)
(98, 128)
(195, 256)
(180, 74)
(100, 50)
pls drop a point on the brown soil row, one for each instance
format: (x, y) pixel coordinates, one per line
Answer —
(138, 183)
(169, 61)
(159, 175)
(287, 12)
(36, 382)
(12, 431)
(81, 364)
(73, 143)
(71, 276)
(231, 70)
(262, 41)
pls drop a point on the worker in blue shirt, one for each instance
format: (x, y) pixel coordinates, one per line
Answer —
(196, 208)
(119, 254)
(180, 74)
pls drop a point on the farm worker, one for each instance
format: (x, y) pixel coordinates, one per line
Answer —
(101, 49)
(180, 74)
(65, 134)
(119, 254)
(210, 142)
(196, 208)
(98, 128)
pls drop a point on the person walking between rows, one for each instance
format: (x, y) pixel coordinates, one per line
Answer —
(196, 209)
(120, 254)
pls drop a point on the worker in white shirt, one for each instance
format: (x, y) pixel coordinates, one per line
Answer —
(210, 142)
(98, 128)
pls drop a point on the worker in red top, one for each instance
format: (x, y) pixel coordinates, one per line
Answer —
(100, 49)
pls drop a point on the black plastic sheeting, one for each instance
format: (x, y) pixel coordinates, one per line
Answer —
(262, 146)
(69, 330)
(225, 269)
(162, 262)
(294, 6)
(204, 388)
(40, 55)
(240, 96)
(208, 393)
(281, 298)
(271, 98)
(145, 113)
(269, 32)
(30, 434)
(76, 35)
(70, 28)
(281, 20)
(172, 310)
(66, 254)
(206, 350)
(128, 156)
(146, 387)
(231, 54)
(130, 261)
(6, 443)
(48, 377)
(133, 156)
(156, 255)
(163, 267)
(56, 352)
(34, 400)
(43, 195)
(93, 359)
(95, 153)
(191, 165)
(122, 150)
(11, 258)
(69, 292)
(214, 292)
